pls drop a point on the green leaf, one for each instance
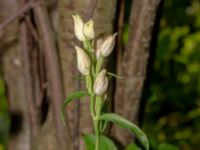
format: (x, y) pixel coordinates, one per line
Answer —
(124, 123)
(133, 146)
(167, 146)
(105, 142)
(73, 96)
(103, 125)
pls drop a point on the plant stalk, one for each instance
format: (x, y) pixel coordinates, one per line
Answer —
(97, 134)
(95, 101)
(96, 121)
(92, 110)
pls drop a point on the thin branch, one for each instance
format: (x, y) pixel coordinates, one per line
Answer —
(37, 63)
(134, 63)
(91, 9)
(16, 15)
(32, 29)
(56, 88)
(120, 25)
(33, 121)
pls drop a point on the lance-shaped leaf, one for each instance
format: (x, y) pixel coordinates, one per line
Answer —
(114, 75)
(124, 123)
(73, 96)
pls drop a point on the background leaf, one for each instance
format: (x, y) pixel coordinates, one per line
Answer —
(133, 146)
(105, 142)
(167, 146)
(124, 123)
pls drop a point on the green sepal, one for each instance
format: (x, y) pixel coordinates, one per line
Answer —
(87, 45)
(73, 96)
(124, 123)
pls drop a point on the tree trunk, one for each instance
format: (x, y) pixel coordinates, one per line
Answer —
(11, 63)
(132, 64)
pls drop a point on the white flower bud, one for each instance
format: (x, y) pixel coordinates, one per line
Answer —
(99, 43)
(88, 30)
(78, 27)
(108, 45)
(83, 61)
(101, 83)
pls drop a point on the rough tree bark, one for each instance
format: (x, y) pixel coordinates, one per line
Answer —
(13, 75)
(133, 63)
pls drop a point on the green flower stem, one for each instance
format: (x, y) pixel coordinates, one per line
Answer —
(98, 106)
(97, 134)
(92, 100)
(89, 83)
(95, 101)
(86, 44)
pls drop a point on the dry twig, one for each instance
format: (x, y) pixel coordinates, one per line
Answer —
(18, 14)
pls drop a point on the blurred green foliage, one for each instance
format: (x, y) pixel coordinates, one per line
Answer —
(4, 119)
(133, 146)
(172, 112)
(166, 146)
(105, 142)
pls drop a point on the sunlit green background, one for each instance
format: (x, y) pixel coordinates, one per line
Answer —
(172, 113)
(4, 119)
(172, 107)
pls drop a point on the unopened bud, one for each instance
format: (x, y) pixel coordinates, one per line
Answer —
(108, 45)
(88, 30)
(99, 43)
(83, 61)
(78, 27)
(101, 83)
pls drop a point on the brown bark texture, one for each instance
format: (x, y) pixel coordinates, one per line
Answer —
(132, 64)
(38, 61)
(11, 65)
